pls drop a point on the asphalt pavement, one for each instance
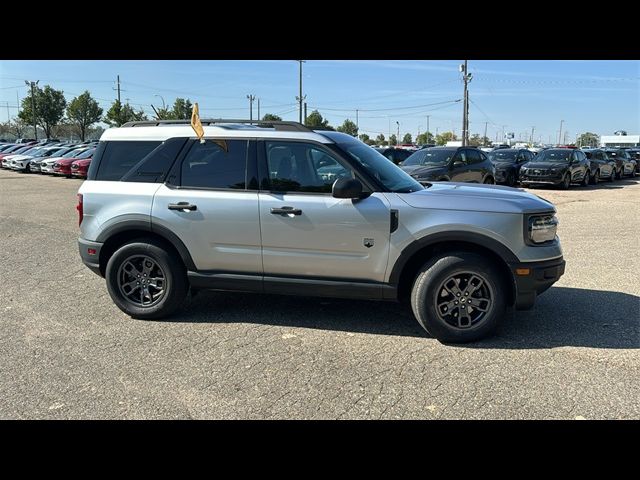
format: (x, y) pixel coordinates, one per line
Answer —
(66, 351)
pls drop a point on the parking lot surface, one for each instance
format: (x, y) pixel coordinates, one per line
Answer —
(66, 351)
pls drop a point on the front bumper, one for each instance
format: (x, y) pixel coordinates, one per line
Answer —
(91, 260)
(540, 276)
(540, 180)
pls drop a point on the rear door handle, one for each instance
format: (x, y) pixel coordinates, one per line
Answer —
(183, 206)
(286, 211)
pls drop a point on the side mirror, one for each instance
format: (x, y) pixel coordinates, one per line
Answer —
(346, 188)
(458, 164)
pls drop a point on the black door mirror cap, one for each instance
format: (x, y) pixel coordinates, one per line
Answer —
(347, 188)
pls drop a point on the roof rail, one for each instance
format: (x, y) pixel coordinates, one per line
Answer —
(278, 125)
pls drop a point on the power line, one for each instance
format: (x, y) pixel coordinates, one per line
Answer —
(385, 109)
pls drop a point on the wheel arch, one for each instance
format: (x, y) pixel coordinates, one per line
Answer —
(417, 253)
(117, 235)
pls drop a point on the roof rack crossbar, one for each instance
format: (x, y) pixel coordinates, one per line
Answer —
(278, 125)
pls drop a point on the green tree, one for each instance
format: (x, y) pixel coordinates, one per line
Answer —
(364, 138)
(425, 138)
(83, 111)
(270, 117)
(380, 140)
(120, 114)
(182, 109)
(50, 105)
(588, 139)
(393, 140)
(15, 128)
(349, 128)
(407, 138)
(445, 137)
(316, 122)
(475, 140)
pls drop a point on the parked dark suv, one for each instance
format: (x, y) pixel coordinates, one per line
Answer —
(453, 164)
(508, 162)
(556, 166)
(625, 164)
(396, 155)
(601, 166)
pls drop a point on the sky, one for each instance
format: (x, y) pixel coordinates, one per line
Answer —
(505, 95)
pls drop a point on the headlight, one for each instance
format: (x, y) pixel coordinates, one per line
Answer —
(542, 228)
(555, 170)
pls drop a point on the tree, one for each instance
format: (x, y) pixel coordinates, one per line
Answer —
(83, 111)
(393, 140)
(349, 128)
(50, 105)
(425, 138)
(315, 121)
(364, 138)
(270, 117)
(588, 139)
(475, 140)
(407, 138)
(120, 114)
(182, 109)
(380, 140)
(15, 127)
(445, 137)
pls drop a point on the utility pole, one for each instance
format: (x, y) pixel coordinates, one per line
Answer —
(503, 135)
(251, 99)
(305, 112)
(33, 106)
(484, 139)
(466, 77)
(398, 137)
(357, 119)
(560, 133)
(300, 98)
(118, 87)
(428, 128)
(566, 134)
(533, 128)
(258, 109)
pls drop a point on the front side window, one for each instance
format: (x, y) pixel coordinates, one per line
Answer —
(217, 163)
(473, 157)
(302, 167)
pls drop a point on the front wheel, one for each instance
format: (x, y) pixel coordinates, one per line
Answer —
(489, 181)
(459, 297)
(586, 179)
(596, 178)
(612, 176)
(620, 174)
(566, 182)
(145, 281)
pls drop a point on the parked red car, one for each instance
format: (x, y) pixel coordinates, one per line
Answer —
(79, 167)
(63, 166)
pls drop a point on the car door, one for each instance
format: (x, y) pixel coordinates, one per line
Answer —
(306, 232)
(476, 169)
(210, 201)
(459, 170)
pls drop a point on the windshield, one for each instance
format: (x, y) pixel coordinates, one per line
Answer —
(380, 167)
(73, 153)
(554, 156)
(429, 156)
(86, 154)
(503, 156)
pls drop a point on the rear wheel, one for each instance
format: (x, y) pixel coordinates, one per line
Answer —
(459, 297)
(144, 280)
(566, 182)
(596, 178)
(619, 175)
(612, 176)
(511, 179)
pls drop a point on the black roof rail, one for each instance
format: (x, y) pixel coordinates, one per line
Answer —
(278, 125)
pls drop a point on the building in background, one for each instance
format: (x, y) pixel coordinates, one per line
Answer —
(620, 140)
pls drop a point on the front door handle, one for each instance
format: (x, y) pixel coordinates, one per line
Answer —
(286, 211)
(183, 206)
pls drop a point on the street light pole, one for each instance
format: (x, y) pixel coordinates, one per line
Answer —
(428, 128)
(251, 99)
(33, 106)
(398, 137)
(466, 77)
(300, 98)
(560, 133)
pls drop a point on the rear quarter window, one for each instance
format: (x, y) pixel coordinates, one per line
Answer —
(113, 159)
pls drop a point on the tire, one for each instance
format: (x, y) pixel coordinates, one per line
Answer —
(566, 182)
(620, 174)
(175, 284)
(429, 285)
(596, 178)
(634, 172)
(511, 179)
(489, 181)
(586, 180)
(612, 177)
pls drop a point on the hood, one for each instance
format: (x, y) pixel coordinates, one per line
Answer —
(504, 165)
(476, 197)
(65, 161)
(545, 165)
(424, 170)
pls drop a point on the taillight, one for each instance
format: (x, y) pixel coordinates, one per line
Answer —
(80, 209)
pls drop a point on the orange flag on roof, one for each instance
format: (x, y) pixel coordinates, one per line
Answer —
(195, 122)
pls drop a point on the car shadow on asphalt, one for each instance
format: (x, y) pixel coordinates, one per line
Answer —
(561, 317)
(604, 184)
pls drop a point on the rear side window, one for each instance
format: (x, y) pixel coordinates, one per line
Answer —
(217, 163)
(113, 159)
(153, 167)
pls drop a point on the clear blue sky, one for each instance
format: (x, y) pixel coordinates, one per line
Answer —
(596, 96)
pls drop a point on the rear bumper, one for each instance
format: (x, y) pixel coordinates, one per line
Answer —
(540, 276)
(92, 261)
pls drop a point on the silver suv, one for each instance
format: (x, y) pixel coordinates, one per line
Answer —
(278, 208)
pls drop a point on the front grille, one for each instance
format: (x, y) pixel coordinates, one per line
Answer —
(537, 172)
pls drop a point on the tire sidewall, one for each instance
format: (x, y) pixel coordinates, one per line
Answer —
(175, 286)
(433, 274)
